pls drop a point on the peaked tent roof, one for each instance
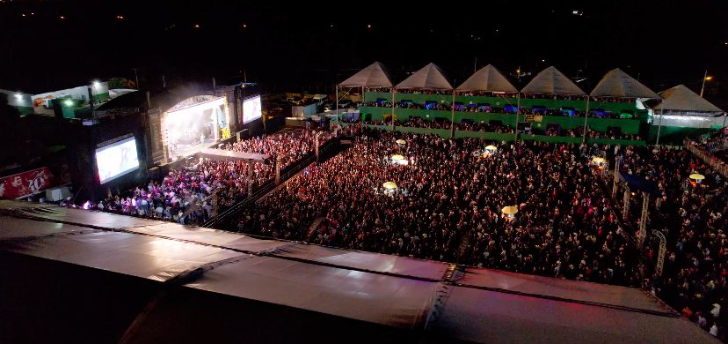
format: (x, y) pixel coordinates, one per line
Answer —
(371, 76)
(488, 79)
(552, 81)
(429, 76)
(681, 98)
(617, 83)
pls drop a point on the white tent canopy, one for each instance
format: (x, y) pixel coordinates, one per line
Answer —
(371, 76)
(617, 83)
(488, 79)
(681, 98)
(552, 81)
(429, 77)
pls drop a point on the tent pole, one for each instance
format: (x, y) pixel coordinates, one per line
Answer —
(393, 109)
(659, 127)
(586, 116)
(337, 100)
(452, 116)
(518, 111)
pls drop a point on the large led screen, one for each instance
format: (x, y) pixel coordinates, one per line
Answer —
(117, 159)
(252, 109)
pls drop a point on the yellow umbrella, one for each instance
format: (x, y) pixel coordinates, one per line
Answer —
(510, 210)
(390, 185)
(401, 142)
(697, 176)
(491, 148)
(397, 157)
(598, 160)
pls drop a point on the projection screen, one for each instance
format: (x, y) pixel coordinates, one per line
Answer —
(117, 159)
(252, 109)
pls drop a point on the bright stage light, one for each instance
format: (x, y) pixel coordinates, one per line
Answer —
(68, 102)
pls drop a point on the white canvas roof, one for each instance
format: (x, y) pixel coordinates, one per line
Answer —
(429, 77)
(681, 98)
(601, 294)
(552, 81)
(366, 261)
(617, 83)
(483, 316)
(371, 76)
(376, 298)
(488, 79)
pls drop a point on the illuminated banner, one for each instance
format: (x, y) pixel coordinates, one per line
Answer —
(26, 183)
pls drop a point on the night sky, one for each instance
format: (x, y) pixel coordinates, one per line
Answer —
(309, 45)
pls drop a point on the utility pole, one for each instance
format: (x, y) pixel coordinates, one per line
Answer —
(702, 88)
(136, 77)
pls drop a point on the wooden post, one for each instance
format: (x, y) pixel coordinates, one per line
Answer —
(616, 177)
(586, 116)
(625, 204)
(659, 127)
(278, 170)
(518, 111)
(316, 143)
(393, 109)
(452, 116)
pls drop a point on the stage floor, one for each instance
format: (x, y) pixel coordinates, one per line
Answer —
(188, 150)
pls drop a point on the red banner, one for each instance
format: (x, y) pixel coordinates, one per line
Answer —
(26, 183)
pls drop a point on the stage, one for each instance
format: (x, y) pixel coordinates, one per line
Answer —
(220, 154)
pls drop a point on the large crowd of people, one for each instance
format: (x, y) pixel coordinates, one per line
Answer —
(717, 146)
(288, 146)
(196, 189)
(446, 196)
(691, 213)
(507, 108)
(429, 197)
(498, 127)
(191, 193)
(450, 195)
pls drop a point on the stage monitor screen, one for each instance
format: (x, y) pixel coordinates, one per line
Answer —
(117, 159)
(252, 109)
